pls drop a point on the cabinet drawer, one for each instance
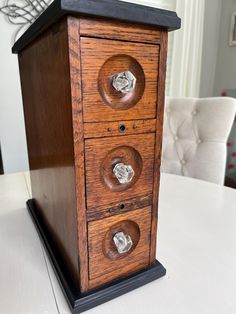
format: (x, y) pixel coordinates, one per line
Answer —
(105, 262)
(103, 62)
(105, 181)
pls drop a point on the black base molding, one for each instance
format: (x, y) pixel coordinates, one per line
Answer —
(77, 301)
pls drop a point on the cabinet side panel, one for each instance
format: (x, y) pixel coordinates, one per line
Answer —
(77, 112)
(45, 80)
(160, 112)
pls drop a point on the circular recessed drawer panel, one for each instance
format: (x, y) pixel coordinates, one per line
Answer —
(118, 168)
(121, 168)
(119, 80)
(118, 245)
(121, 239)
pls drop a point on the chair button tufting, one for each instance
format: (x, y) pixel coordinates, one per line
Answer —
(183, 162)
(176, 138)
(198, 141)
(194, 112)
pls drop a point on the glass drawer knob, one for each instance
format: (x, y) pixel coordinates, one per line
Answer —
(123, 173)
(123, 242)
(124, 82)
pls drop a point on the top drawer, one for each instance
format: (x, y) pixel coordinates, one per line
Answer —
(119, 80)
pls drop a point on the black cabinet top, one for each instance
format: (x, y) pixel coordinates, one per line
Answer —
(111, 9)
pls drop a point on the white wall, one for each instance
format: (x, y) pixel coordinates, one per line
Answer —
(225, 76)
(210, 46)
(12, 131)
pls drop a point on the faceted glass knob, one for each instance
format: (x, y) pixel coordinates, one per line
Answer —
(124, 82)
(123, 173)
(123, 242)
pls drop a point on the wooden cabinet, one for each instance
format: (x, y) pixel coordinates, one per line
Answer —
(93, 86)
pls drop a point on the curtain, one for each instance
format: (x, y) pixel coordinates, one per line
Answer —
(187, 49)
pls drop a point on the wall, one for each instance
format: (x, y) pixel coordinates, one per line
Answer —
(210, 46)
(225, 76)
(12, 131)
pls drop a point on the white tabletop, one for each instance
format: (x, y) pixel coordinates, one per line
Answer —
(196, 243)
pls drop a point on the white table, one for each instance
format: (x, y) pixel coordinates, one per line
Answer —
(196, 243)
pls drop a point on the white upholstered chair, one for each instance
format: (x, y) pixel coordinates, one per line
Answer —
(194, 137)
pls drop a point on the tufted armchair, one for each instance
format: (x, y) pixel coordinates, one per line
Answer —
(194, 137)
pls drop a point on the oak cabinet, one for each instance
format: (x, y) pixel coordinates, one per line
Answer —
(93, 81)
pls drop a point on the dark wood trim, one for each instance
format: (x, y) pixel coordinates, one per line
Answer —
(80, 302)
(118, 208)
(160, 111)
(112, 9)
(77, 118)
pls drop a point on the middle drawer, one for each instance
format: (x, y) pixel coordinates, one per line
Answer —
(118, 168)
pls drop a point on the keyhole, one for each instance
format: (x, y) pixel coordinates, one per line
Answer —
(122, 206)
(122, 128)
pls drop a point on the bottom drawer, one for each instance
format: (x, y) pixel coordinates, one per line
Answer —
(118, 245)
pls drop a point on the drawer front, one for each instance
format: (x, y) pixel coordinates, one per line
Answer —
(110, 258)
(118, 168)
(119, 80)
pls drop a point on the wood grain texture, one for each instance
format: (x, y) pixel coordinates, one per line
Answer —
(95, 52)
(77, 116)
(119, 128)
(122, 154)
(119, 30)
(77, 125)
(95, 152)
(158, 145)
(119, 208)
(109, 70)
(113, 268)
(48, 120)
